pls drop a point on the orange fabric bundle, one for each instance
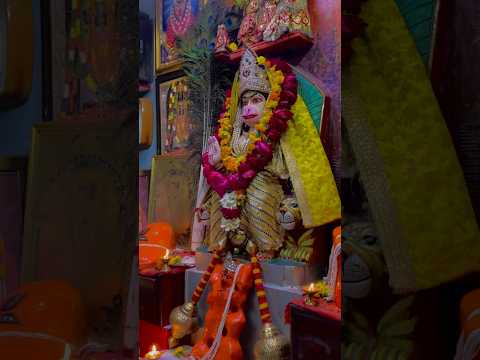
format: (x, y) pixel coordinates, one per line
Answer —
(49, 317)
(160, 237)
(470, 303)
(162, 234)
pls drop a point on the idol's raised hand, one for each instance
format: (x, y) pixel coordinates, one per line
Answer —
(214, 153)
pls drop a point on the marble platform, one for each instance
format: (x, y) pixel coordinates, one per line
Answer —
(278, 297)
(277, 271)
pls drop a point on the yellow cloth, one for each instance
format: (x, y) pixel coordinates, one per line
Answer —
(309, 169)
(406, 159)
(307, 164)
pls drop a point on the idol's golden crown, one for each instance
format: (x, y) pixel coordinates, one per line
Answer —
(252, 76)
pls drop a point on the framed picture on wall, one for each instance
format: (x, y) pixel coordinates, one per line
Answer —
(173, 20)
(81, 204)
(143, 193)
(173, 188)
(175, 125)
(146, 47)
(89, 61)
(16, 52)
(12, 197)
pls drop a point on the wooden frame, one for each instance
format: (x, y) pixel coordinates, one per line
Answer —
(143, 199)
(80, 219)
(16, 52)
(12, 205)
(54, 58)
(147, 47)
(47, 73)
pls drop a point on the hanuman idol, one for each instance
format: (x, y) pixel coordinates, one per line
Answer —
(266, 152)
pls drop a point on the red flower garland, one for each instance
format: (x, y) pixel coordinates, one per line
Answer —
(238, 181)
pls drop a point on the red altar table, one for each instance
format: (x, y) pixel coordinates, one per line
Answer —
(160, 292)
(315, 330)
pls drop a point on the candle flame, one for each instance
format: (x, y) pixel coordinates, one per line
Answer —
(167, 254)
(154, 348)
(311, 287)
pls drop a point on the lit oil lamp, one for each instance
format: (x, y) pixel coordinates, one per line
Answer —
(310, 292)
(153, 354)
(166, 259)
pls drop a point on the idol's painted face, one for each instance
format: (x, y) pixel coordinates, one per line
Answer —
(252, 104)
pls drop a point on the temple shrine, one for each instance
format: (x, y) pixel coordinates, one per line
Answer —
(235, 259)
(239, 180)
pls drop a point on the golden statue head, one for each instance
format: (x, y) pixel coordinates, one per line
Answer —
(364, 267)
(288, 215)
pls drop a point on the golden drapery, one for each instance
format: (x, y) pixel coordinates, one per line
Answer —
(406, 159)
(310, 170)
(258, 218)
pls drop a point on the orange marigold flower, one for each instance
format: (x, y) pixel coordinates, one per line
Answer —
(260, 127)
(230, 164)
(275, 96)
